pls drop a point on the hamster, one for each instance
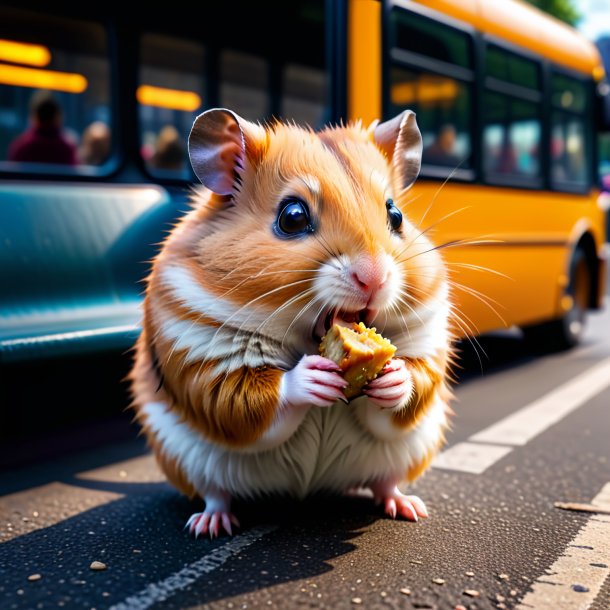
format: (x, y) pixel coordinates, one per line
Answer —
(294, 230)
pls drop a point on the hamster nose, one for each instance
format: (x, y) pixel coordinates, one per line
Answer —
(368, 274)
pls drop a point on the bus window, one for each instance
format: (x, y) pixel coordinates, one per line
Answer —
(413, 33)
(443, 107)
(55, 112)
(432, 74)
(244, 84)
(569, 158)
(304, 95)
(511, 68)
(511, 139)
(170, 93)
(512, 111)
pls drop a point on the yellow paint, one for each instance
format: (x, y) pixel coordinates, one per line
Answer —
(24, 53)
(168, 98)
(364, 60)
(42, 79)
(528, 236)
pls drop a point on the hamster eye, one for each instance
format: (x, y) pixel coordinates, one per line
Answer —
(394, 215)
(294, 218)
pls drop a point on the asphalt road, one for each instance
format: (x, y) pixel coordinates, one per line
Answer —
(494, 538)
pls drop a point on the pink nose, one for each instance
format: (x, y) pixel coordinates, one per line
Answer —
(369, 274)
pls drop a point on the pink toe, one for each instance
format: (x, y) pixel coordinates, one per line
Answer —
(226, 523)
(390, 507)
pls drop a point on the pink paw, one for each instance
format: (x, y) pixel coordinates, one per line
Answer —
(313, 381)
(392, 387)
(398, 504)
(212, 523)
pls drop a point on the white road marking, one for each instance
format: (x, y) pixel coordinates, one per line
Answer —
(474, 458)
(522, 426)
(530, 421)
(163, 589)
(575, 579)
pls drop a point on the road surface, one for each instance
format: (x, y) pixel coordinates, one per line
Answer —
(529, 431)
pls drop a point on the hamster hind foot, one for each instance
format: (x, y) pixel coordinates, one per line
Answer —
(215, 516)
(395, 503)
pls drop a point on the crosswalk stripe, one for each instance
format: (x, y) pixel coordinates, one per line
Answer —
(485, 448)
(575, 579)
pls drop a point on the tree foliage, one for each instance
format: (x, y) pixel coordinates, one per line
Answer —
(562, 9)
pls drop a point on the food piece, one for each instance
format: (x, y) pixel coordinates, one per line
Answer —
(359, 351)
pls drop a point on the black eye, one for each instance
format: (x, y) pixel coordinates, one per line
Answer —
(394, 215)
(294, 218)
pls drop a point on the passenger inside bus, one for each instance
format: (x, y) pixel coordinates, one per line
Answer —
(169, 150)
(44, 141)
(95, 144)
(442, 150)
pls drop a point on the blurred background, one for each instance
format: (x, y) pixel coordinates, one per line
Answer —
(95, 109)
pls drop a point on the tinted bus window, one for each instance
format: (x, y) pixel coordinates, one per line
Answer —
(511, 138)
(244, 84)
(440, 93)
(170, 94)
(569, 139)
(511, 68)
(304, 90)
(443, 107)
(417, 34)
(54, 93)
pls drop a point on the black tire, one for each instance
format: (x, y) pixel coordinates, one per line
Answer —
(566, 332)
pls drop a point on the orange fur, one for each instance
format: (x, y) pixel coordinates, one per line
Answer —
(228, 247)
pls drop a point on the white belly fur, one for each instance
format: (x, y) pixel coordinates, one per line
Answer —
(329, 451)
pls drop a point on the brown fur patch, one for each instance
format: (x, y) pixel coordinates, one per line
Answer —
(428, 379)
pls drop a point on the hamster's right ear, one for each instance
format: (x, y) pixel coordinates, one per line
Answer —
(220, 142)
(401, 140)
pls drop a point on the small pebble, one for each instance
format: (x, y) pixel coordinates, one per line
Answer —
(415, 561)
(500, 598)
(512, 593)
(471, 593)
(460, 607)
(580, 588)
(503, 576)
(469, 573)
(97, 566)
(35, 513)
(356, 600)
(438, 581)
(34, 577)
(501, 606)
(405, 591)
(383, 594)
(136, 551)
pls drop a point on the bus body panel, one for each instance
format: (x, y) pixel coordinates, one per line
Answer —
(520, 269)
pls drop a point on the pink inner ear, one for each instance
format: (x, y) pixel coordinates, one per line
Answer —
(216, 149)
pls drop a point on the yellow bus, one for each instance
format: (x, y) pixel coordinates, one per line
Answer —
(506, 101)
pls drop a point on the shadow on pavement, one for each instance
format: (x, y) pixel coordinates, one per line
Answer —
(141, 540)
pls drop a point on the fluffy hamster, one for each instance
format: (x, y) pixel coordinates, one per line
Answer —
(295, 230)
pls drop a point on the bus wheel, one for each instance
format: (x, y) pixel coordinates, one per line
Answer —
(567, 331)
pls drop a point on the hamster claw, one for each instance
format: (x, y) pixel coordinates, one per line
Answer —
(212, 523)
(397, 504)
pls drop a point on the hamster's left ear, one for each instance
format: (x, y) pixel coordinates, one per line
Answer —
(220, 142)
(401, 140)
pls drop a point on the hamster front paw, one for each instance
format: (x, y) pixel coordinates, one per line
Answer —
(313, 381)
(392, 387)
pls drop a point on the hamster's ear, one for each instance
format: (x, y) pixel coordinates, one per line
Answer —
(401, 140)
(219, 143)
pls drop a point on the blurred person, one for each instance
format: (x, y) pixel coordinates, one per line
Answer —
(442, 150)
(169, 150)
(43, 141)
(95, 144)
